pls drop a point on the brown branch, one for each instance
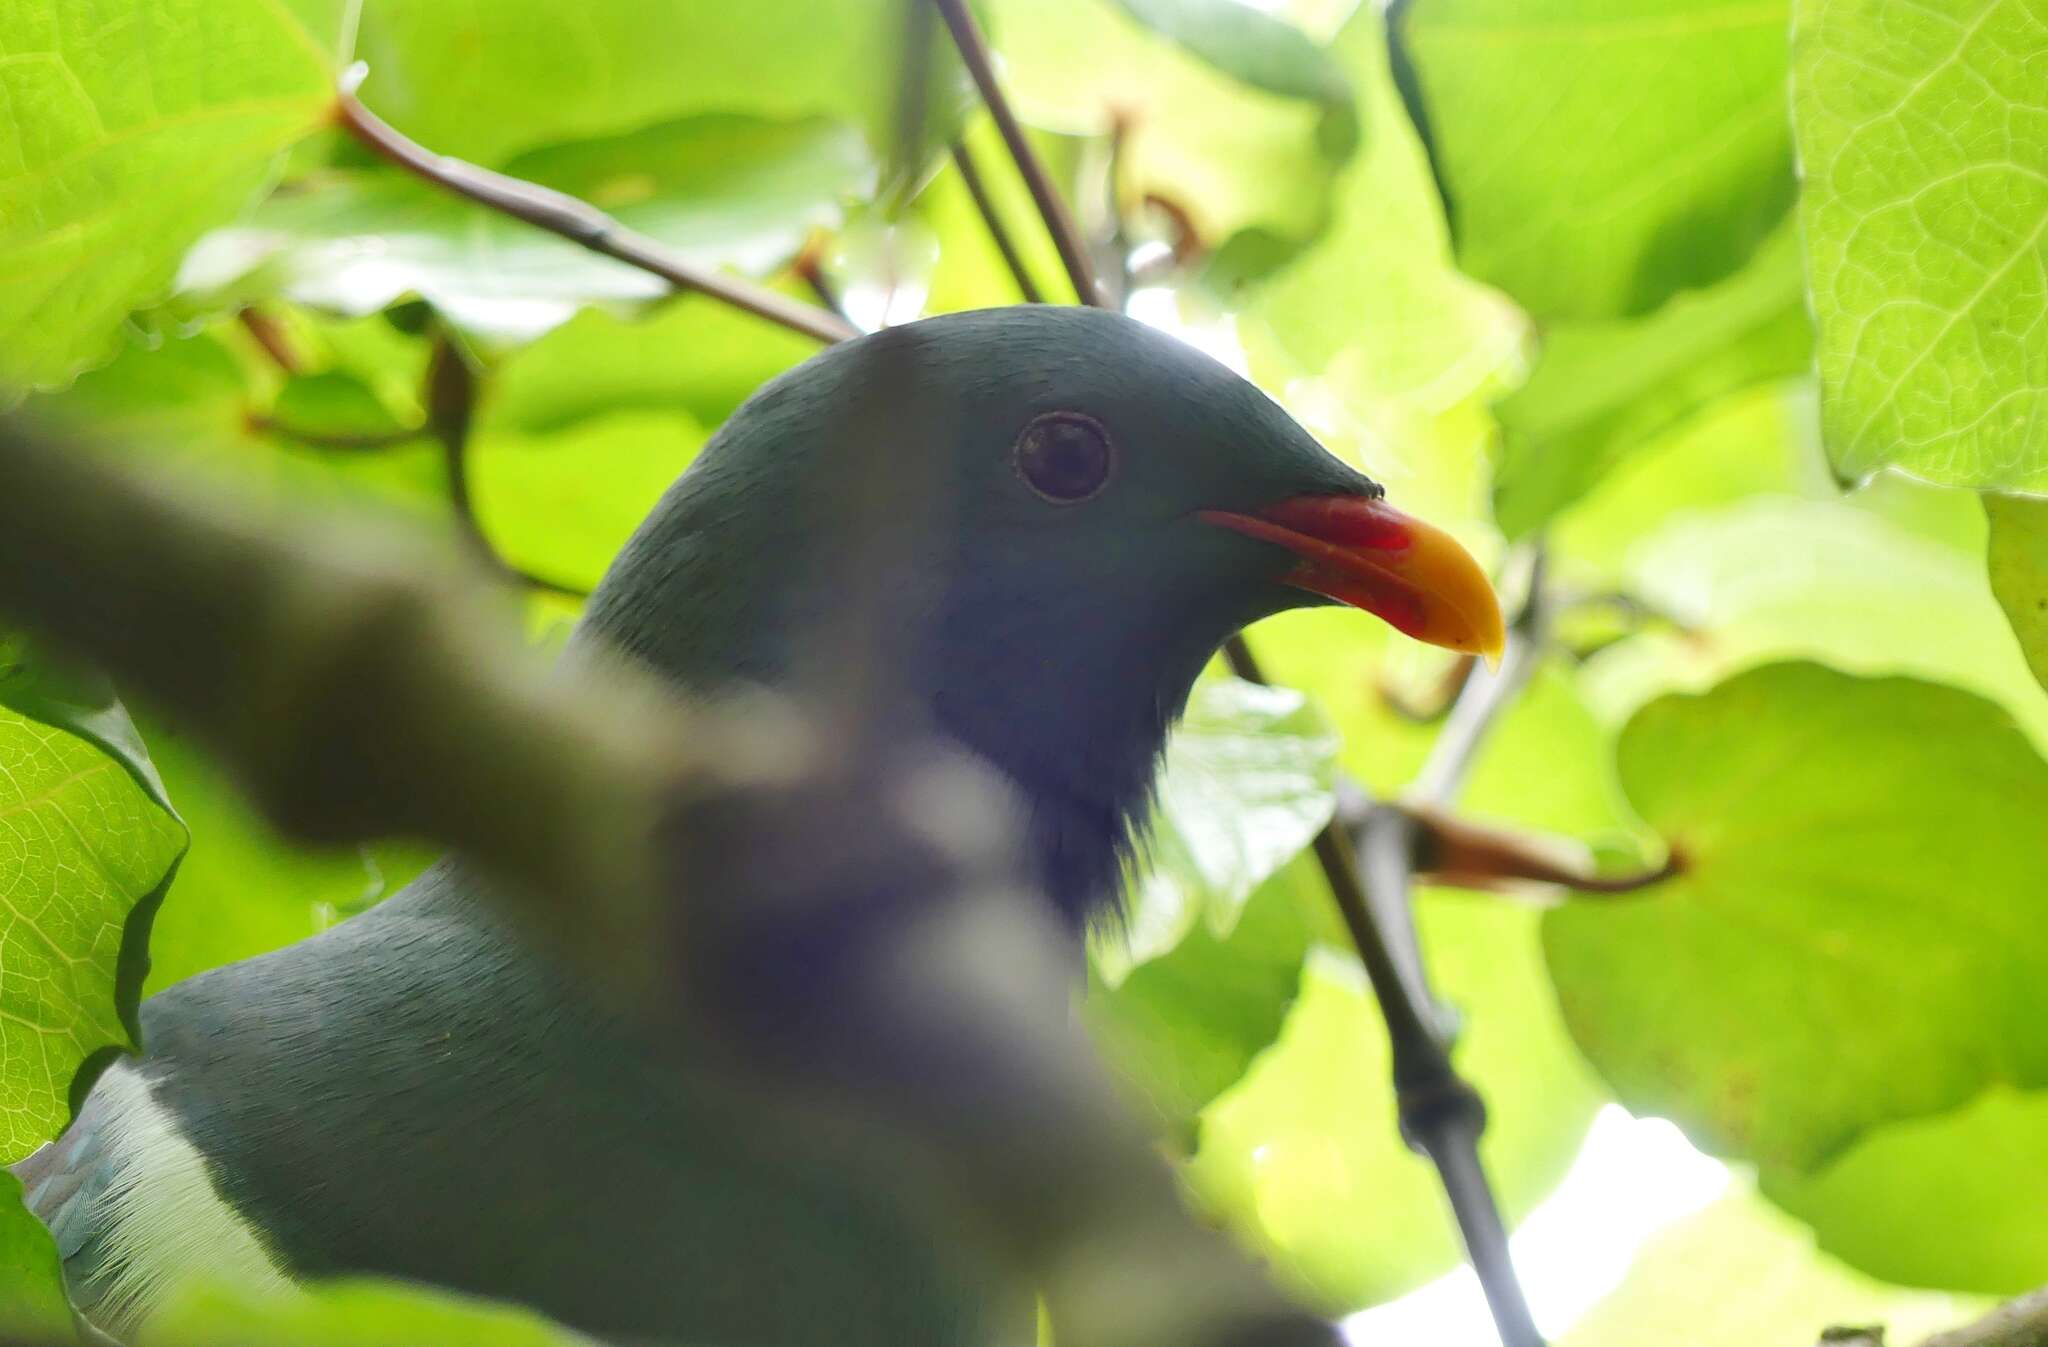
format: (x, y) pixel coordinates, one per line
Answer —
(998, 232)
(1467, 855)
(577, 221)
(1052, 208)
(809, 267)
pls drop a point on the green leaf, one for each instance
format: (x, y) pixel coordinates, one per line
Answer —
(1853, 939)
(79, 700)
(1953, 1200)
(693, 356)
(1924, 142)
(1371, 336)
(1248, 781)
(241, 890)
(721, 191)
(1602, 155)
(486, 82)
(1738, 1274)
(1232, 156)
(1830, 580)
(131, 128)
(1199, 978)
(1257, 49)
(1185, 1026)
(2017, 558)
(1603, 390)
(201, 403)
(87, 855)
(561, 505)
(349, 1313)
(32, 1300)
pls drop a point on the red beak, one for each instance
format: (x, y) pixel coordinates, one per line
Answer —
(1358, 550)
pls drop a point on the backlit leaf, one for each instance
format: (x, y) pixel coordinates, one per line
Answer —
(1923, 132)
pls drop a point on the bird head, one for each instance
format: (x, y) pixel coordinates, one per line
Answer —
(1077, 511)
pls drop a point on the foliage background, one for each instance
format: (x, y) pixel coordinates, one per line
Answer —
(1733, 307)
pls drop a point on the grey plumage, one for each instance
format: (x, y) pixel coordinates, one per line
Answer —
(416, 1093)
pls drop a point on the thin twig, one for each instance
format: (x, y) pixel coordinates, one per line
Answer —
(1052, 208)
(998, 233)
(1440, 1114)
(451, 411)
(578, 221)
(2016, 1323)
(1484, 696)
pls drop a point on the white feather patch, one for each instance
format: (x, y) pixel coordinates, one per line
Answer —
(166, 1225)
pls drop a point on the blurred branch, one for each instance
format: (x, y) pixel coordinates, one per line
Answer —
(2017, 1323)
(349, 678)
(1441, 697)
(998, 232)
(847, 942)
(1052, 208)
(578, 221)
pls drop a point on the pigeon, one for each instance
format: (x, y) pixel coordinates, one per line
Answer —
(1077, 510)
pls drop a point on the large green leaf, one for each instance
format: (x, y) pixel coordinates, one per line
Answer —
(1836, 581)
(1232, 156)
(1854, 939)
(127, 129)
(2017, 558)
(1602, 155)
(1738, 1274)
(486, 82)
(561, 505)
(722, 191)
(1924, 141)
(352, 1313)
(693, 357)
(1603, 390)
(32, 1301)
(1953, 1200)
(84, 857)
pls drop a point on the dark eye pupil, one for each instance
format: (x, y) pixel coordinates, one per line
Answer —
(1063, 456)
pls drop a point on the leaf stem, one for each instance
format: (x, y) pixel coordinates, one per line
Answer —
(998, 233)
(1052, 208)
(577, 221)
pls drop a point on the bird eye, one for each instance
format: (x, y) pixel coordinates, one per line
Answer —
(1064, 457)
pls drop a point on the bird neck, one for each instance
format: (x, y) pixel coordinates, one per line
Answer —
(1076, 722)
